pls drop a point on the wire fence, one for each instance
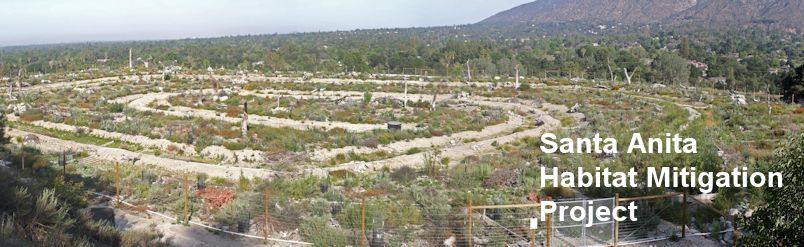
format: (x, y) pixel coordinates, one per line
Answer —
(377, 223)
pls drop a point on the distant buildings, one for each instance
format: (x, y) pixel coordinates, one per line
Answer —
(703, 67)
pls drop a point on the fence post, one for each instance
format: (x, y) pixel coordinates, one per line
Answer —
(186, 199)
(469, 213)
(117, 181)
(22, 152)
(363, 222)
(267, 222)
(616, 222)
(535, 213)
(549, 229)
(684, 215)
(64, 165)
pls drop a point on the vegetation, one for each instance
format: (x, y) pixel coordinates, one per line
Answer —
(779, 221)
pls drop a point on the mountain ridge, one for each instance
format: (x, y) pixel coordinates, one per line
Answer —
(783, 14)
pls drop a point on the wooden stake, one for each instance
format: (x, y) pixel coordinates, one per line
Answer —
(186, 199)
(266, 205)
(616, 222)
(684, 211)
(363, 221)
(469, 211)
(533, 236)
(117, 181)
(64, 164)
(549, 230)
(23, 161)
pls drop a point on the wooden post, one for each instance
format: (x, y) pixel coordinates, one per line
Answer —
(549, 230)
(684, 215)
(23, 160)
(267, 222)
(64, 164)
(117, 181)
(616, 222)
(363, 222)
(186, 199)
(535, 212)
(469, 213)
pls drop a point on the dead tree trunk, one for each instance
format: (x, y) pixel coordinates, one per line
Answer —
(244, 126)
(468, 71)
(628, 76)
(433, 104)
(516, 85)
(405, 104)
(769, 104)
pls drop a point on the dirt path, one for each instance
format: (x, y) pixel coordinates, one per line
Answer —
(50, 144)
(141, 104)
(454, 153)
(88, 82)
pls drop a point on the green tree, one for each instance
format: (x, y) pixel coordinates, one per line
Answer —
(685, 49)
(671, 68)
(780, 221)
(793, 84)
(3, 138)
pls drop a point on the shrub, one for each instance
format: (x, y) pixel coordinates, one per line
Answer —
(414, 150)
(371, 142)
(558, 192)
(32, 115)
(404, 174)
(317, 231)
(233, 111)
(234, 145)
(116, 107)
(143, 237)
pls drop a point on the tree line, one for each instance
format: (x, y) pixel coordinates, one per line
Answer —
(743, 59)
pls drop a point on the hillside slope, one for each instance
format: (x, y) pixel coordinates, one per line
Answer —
(776, 13)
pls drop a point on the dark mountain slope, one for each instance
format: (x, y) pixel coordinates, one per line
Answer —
(625, 11)
(786, 14)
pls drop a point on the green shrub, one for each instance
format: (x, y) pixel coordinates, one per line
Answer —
(234, 146)
(318, 232)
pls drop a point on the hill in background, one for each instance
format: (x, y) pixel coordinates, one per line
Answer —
(781, 14)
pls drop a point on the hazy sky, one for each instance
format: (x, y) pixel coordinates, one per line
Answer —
(56, 21)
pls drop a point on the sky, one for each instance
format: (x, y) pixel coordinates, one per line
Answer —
(24, 22)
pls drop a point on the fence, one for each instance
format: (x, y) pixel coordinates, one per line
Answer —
(659, 218)
(361, 222)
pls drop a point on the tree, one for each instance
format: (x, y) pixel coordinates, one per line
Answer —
(780, 221)
(685, 49)
(670, 68)
(3, 137)
(793, 84)
(367, 98)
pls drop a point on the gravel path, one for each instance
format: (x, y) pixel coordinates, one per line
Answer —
(141, 104)
(455, 153)
(50, 144)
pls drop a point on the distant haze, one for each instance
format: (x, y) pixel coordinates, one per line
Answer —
(57, 21)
